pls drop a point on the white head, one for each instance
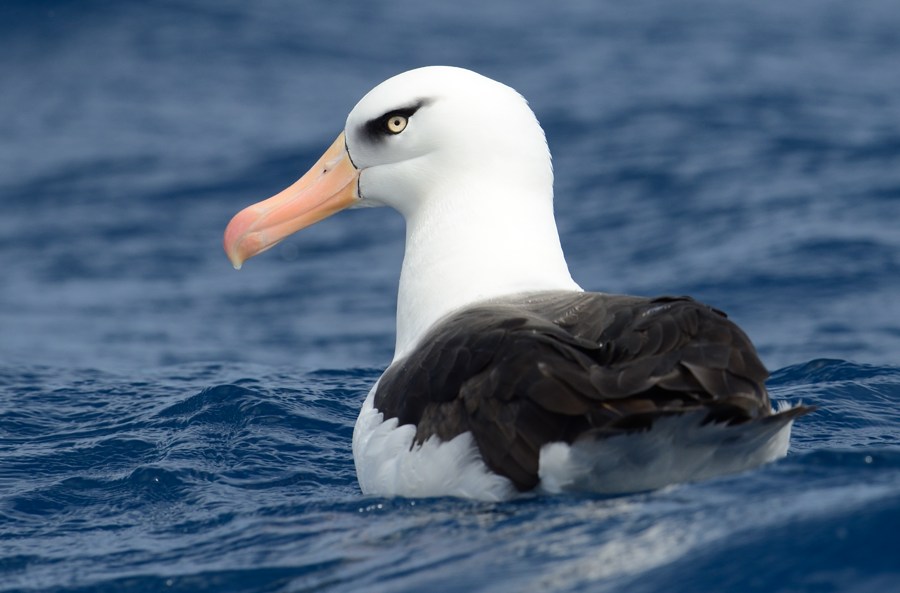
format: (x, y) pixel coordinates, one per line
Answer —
(443, 126)
(432, 131)
(465, 161)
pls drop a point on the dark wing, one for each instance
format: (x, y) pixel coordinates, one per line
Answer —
(562, 366)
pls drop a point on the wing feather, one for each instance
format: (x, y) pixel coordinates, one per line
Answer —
(566, 366)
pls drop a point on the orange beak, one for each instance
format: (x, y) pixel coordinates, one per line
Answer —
(329, 187)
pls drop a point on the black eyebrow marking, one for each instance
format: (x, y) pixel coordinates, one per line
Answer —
(376, 129)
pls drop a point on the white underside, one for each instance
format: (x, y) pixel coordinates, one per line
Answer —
(386, 465)
(677, 449)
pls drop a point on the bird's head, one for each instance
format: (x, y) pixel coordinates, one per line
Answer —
(415, 138)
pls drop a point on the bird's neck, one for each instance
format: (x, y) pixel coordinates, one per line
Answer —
(469, 251)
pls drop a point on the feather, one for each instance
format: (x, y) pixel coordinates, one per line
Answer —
(570, 367)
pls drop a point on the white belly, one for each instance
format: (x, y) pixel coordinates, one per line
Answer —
(386, 464)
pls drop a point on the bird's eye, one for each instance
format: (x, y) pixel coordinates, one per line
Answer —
(396, 124)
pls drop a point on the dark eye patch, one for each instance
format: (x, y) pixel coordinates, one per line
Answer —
(376, 129)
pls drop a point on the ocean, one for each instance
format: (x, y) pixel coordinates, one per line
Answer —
(170, 424)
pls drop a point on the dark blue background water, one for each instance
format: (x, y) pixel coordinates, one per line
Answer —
(167, 423)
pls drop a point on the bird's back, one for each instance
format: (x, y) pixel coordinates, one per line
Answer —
(579, 370)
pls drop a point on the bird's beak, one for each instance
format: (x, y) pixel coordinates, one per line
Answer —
(330, 186)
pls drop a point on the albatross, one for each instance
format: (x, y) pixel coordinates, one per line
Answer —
(508, 377)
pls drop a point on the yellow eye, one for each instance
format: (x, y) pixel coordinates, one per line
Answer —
(396, 124)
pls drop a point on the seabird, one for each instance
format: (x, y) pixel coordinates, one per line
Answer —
(507, 376)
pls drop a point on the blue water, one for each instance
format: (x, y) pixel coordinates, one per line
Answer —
(169, 424)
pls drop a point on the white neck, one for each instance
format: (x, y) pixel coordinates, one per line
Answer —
(460, 251)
